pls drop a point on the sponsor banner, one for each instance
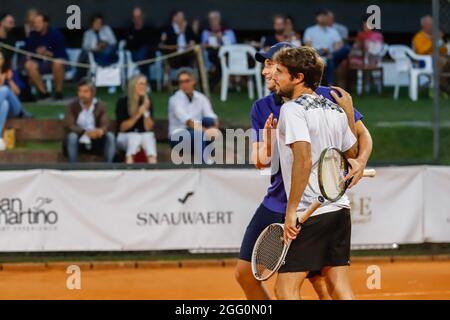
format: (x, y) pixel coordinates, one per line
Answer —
(388, 209)
(49, 210)
(437, 204)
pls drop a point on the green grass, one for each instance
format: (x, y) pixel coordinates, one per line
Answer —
(399, 144)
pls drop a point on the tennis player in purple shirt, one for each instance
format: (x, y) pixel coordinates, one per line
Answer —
(264, 117)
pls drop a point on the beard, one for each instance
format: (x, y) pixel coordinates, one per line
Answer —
(286, 92)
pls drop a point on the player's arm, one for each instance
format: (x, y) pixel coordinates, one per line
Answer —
(357, 158)
(365, 146)
(301, 169)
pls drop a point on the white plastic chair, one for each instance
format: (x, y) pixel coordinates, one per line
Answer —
(237, 65)
(404, 58)
(111, 76)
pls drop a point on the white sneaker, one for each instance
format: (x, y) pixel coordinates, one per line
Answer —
(2, 145)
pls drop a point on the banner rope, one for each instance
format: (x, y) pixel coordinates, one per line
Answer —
(88, 66)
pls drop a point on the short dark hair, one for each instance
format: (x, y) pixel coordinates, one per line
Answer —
(278, 16)
(45, 17)
(4, 15)
(322, 11)
(186, 70)
(173, 13)
(86, 81)
(96, 16)
(303, 60)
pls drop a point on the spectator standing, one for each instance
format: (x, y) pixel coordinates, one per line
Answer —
(195, 26)
(340, 28)
(190, 111)
(279, 35)
(327, 42)
(100, 40)
(141, 40)
(212, 39)
(28, 26)
(48, 42)
(292, 36)
(176, 38)
(7, 24)
(86, 124)
(134, 115)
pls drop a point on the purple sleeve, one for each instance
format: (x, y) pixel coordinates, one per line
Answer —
(59, 49)
(358, 115)
(256, 135)
(326, 93)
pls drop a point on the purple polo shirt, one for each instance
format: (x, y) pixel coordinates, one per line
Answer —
(275, 198)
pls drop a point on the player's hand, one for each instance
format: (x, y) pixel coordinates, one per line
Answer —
(271, 123)
(345, 100)
(356, 172)
(290, 227)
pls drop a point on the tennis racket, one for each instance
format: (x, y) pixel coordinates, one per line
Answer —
(332, 170)
(270, 250)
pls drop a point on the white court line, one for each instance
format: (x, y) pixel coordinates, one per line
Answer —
(381, 294)
(399, 294)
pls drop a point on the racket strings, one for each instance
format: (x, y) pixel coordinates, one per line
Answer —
(269, 251)
(333, 173)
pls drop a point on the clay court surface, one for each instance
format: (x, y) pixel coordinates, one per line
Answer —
(399, 280)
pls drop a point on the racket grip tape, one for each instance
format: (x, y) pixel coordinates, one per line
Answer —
(310, 210)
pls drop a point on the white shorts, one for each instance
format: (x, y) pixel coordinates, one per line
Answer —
(131, 143)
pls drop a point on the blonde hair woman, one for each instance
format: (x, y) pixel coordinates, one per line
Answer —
(134, 115)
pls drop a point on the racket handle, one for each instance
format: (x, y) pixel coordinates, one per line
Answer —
(310, 210)
(369, 173)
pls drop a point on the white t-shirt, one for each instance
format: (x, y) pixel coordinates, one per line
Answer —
(182, 109)
(322, 123)
(322, 37)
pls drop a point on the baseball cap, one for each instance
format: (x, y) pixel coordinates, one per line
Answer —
(262, 56)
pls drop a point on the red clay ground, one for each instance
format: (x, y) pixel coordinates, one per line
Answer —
(399, 280)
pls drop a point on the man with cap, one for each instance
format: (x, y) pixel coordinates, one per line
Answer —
(264, 115)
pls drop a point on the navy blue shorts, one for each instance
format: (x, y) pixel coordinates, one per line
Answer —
(261, 219)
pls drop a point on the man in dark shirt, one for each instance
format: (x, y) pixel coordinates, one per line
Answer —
(178, 37)
(48, 42)
(141, 39)
(7, 24)
(279, 25)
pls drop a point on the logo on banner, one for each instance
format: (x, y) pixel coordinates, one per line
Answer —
(361, 208)
(185, 217)
(16, 216)
(187, 196)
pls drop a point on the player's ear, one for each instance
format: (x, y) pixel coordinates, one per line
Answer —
(299, 78)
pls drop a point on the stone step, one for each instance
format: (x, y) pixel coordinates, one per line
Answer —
(53, 156)
(53, 130)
